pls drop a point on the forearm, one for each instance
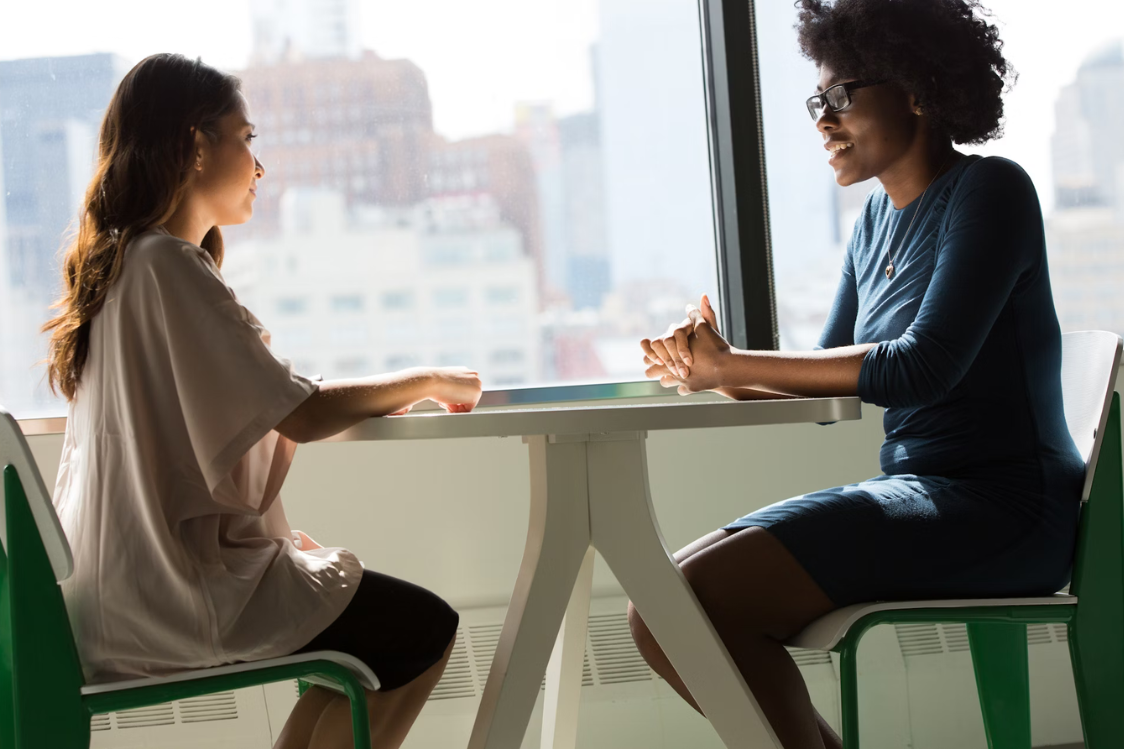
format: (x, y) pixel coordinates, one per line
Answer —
(339, 404)
(750, 394)
(830, 372)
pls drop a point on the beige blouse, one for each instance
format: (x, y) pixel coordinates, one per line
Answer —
(168, 485)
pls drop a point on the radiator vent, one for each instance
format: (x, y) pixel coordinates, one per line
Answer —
(147, 717)
(611, 657)
(615, 657)
(206, 709)
(458, 680)
(211, 707)
(934, 639)
(1045, 634)
(809, 657)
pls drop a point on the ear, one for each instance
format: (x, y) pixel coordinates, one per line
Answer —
(199, 148)
(915, 105)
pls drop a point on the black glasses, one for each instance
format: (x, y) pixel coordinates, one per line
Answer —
(838, 97)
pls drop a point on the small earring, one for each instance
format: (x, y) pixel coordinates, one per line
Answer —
(917, 111)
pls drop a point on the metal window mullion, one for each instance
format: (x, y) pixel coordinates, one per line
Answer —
(737, 154)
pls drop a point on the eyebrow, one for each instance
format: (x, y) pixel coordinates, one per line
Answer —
(830, 83)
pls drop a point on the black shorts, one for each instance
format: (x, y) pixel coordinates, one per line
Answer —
(397, 628)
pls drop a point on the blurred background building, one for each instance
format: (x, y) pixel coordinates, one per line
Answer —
(50, 112)
(1085, 233)
(355, 291)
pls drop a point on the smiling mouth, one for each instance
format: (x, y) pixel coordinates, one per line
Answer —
(838, 149)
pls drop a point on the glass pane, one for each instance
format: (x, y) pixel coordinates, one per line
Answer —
(520, 186)
(1064, 117)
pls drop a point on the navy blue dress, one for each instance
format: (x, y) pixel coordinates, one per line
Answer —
(982, 481)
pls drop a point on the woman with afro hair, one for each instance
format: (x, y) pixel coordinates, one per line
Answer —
(944, 317)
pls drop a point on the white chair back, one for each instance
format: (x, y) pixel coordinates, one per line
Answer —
(14, 451)
(1090, 359)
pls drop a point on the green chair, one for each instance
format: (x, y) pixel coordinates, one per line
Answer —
(44, 699)
(1093, 610)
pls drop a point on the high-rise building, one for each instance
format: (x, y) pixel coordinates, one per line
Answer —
(288, 30)
(537, 129)
(585, 223)
(364, 129)
(499, 166)
(50, 112)
(1087, 150)
(361, 127)
(1085, 234)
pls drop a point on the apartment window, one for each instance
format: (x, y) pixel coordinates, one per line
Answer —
(292, 305)
(503, 294)
(397, 300)
(453, 358)
(450, 298)
(402, 361)
(347, 303)
(506, 356)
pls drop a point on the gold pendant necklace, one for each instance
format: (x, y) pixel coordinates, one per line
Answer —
(890, 252)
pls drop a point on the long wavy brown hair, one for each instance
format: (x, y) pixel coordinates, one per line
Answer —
(146, 150)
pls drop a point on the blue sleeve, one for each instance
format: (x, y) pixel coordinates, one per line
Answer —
(839, 328)
(993, 234)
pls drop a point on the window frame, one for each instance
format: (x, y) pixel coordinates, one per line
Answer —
(739, 184)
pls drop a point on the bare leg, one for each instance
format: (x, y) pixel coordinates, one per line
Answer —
(325, 722)
(757, 596)
(392, 713)
(302, 720)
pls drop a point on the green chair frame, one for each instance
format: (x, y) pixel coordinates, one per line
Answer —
(1093, 613)
(44, 700)
(997, 634)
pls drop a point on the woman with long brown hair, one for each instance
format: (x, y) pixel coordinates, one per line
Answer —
(182, 425)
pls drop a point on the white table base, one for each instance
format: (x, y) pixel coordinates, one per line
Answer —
(591, 491)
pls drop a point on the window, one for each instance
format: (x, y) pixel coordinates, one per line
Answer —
(397, 300)
(1064, 116)
(406, 156)
(292, 305)
(503, 294)
(506, 356)
(453, 358)
(447, 298)
(401, 361)
(347, 303)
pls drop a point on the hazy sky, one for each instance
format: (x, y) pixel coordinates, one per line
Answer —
(481, 56)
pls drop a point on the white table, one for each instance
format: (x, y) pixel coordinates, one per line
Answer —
(589, 489)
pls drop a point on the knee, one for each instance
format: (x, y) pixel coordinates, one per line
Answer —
(641, 635)
(741, 619)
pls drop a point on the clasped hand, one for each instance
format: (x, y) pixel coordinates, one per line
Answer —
(689, 356)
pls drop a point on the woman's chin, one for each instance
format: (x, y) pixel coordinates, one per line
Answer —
(845, 177)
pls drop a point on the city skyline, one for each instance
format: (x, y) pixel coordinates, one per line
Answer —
(551, 39)
(361, 125)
